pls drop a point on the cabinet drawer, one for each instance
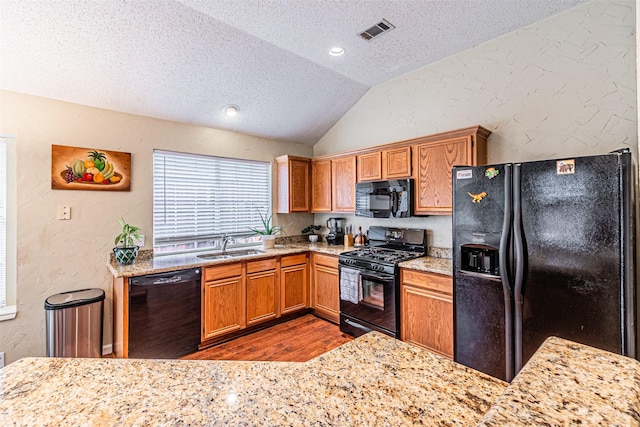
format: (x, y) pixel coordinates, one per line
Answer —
(326, 260)
(289, 260)
(222, 272)
(430, 281)
(261, 265)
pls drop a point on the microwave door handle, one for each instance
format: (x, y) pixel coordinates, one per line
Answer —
(394, 202)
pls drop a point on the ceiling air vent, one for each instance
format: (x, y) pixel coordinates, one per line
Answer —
(378, 29)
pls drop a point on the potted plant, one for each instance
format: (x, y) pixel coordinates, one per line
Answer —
(268, 230)
(127, 252)
(313, 237)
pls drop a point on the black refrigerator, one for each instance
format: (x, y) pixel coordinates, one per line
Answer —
(541, 249)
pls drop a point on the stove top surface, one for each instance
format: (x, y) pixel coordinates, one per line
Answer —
(382, 254)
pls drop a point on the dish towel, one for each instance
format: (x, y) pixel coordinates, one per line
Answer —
(350, 285)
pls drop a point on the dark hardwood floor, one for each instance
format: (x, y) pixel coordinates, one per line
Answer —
(297, 340)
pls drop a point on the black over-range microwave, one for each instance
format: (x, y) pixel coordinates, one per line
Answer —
(385, 199)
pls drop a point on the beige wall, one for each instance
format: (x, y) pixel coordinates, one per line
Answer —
(565, 86)
(56, 256)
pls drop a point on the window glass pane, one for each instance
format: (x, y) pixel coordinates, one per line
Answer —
(197, 199)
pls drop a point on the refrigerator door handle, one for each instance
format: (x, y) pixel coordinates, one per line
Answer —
(503, 259)
(519, 264)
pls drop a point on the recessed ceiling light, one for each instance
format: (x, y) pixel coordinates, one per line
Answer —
(231, 110)
(336, 51)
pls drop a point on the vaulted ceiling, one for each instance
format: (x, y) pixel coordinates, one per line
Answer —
(185, 60)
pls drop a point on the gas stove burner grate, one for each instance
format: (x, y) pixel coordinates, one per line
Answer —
(382, 255)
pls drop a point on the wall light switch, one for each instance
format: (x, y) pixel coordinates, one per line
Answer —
(64, 212)
(2, 360)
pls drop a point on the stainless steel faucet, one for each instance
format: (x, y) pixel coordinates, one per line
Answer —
(225, 240)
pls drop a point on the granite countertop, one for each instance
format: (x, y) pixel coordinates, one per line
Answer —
(146, 263)
(566, 383)
(372, 380)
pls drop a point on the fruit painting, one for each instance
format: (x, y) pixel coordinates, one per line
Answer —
(76, 168)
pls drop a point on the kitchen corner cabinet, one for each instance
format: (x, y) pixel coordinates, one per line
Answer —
(321, 186)
(294, 283)
(426, 310)
(433, 161)
(325, 287)
(343, 181)
(293, 182)
(263, 291)
(224, 298)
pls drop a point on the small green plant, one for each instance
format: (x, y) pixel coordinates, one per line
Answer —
(129, 234)
(312, 229)
(268, 228)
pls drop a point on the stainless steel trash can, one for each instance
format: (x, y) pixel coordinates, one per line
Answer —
(74, 323)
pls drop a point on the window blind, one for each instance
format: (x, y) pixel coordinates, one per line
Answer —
(197, 199)
(3, 223)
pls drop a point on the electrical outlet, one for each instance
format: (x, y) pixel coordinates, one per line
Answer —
(2, 359)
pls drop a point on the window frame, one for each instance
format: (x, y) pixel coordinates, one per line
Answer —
(164, 245)
(9, 310)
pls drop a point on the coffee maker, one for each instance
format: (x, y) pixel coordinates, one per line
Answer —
(336, 231)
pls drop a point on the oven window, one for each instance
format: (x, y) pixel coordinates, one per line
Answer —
(372, 294)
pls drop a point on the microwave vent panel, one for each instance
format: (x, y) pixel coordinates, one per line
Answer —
(381, 27)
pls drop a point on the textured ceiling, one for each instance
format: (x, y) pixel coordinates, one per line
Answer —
(184, 60)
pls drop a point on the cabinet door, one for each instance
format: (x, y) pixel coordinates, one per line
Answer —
(293, 289)
(326, 289)
(433, 163)
(427, 311)
(262, 296)
(370, 167)
(293, 184)
(396, 163)
(223, 307)
(343, 179)
(321, 186)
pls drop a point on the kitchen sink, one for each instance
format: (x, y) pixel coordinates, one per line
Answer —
(231, 254)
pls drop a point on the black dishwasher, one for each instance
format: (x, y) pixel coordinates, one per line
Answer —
(164, 314)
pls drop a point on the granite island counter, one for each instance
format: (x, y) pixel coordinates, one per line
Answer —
(373, 380)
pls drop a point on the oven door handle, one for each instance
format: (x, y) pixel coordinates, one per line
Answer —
(380, 277)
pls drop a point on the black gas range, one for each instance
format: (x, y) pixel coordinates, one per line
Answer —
(369, 280)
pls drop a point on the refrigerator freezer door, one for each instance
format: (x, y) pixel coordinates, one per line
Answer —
(482, 296)
(572, 222)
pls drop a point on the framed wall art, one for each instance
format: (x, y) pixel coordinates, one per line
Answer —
(77, 168)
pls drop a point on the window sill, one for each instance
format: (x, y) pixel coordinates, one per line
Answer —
(8, 313)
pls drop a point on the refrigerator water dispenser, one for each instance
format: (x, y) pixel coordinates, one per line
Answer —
(480, 259)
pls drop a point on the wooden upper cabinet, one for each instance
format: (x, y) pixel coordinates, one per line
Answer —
(396, 163)
(343, 180)
(433, 161)
(321, 186)
(370, 166)
(293, 184)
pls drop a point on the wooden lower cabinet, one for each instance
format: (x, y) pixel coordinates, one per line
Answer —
(326, 288)
(426, 309)
(263, 291)
(294, 283)
(223, 303)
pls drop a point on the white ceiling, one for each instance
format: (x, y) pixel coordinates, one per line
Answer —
(184, 60)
